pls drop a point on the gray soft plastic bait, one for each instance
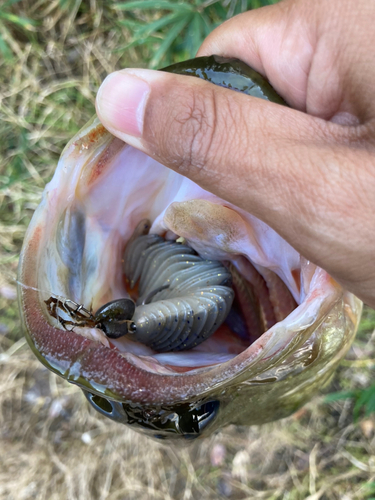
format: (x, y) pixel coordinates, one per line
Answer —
(183, 299)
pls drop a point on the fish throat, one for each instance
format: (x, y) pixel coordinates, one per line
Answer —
(175, 300)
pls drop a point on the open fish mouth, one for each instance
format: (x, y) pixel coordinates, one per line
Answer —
(287, 326)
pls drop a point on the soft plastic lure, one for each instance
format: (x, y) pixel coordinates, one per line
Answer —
(183, 299)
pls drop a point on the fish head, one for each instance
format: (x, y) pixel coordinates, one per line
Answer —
(289, 326)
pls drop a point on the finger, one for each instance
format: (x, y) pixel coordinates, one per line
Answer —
(295, 172)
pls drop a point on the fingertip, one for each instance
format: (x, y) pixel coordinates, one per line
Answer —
(121, 102)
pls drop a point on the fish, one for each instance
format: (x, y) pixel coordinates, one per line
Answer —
(288, 323)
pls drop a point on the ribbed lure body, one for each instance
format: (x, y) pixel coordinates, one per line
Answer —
(183, 299)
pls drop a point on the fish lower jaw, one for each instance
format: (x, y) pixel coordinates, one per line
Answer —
(257, 307)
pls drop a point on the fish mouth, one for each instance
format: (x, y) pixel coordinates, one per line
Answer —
(74, 251)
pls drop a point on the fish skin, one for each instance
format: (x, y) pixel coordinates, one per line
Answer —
(270, 379)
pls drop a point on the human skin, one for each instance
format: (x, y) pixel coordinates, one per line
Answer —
(307, 171)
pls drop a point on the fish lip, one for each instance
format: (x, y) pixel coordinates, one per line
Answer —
(105, 371)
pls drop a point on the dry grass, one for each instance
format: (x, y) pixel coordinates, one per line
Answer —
(53, 446)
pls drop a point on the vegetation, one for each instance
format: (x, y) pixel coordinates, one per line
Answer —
(53, 56)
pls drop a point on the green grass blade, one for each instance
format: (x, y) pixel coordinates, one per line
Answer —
(64, 4)
(4, 48)
(370, 406)
(138, 42)
(268, 2)
(161, 23)
(194, 35)
(168, 40)
(151, 4)
(337, 396)
(220, 12)
(362, 401)
(206, 24)
(24, 22)
(131, 24)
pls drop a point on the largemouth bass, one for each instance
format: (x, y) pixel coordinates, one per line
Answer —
(287, 326)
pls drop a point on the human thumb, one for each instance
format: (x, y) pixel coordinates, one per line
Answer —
(246, 150)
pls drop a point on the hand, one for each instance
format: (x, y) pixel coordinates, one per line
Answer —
(308, 172)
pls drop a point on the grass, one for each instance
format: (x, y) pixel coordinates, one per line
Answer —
(53, 56)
